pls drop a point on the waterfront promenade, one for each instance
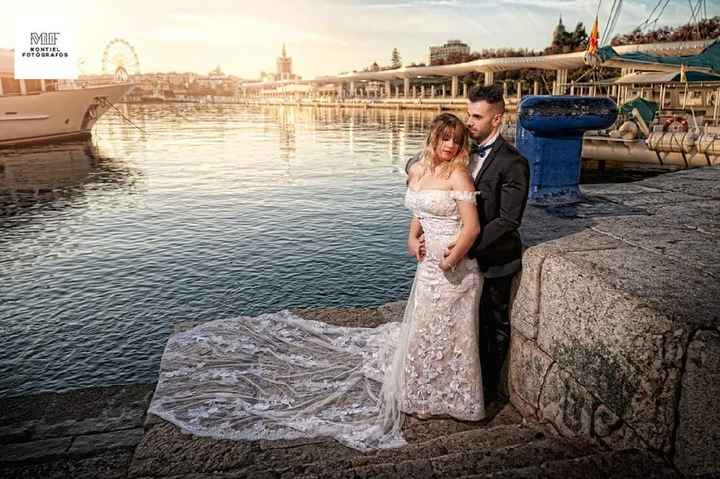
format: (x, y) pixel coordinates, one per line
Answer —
(613, 372)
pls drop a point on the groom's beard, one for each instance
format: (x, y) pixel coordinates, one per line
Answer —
(481, 136)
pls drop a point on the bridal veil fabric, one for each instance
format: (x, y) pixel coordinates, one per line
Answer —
(279, 376)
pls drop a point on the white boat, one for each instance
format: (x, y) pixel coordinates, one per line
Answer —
(39, 111)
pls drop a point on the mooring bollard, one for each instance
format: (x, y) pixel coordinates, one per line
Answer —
(549, 135)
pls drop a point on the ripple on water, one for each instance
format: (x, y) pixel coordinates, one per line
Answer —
(218, 212)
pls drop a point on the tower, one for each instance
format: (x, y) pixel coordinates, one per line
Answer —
(284, 66)
(559, 32)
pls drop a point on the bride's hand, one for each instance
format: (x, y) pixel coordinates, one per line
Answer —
(445, 265)
(449, 249)
(416, 247)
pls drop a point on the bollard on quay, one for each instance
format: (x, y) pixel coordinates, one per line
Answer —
(549, 135)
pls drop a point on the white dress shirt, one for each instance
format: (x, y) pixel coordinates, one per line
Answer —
(476, 161)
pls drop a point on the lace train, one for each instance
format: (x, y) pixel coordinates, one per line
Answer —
(278, 376)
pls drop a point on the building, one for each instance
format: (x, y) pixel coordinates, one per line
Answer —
(283, 70)
(453, 48)
(284, 67)
(559, 34)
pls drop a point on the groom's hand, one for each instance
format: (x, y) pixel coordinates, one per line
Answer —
(449, 249)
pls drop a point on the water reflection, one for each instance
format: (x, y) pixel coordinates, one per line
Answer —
(362, 131)
(55, 177)
(214, 212)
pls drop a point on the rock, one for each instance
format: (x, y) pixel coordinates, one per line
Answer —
(605, 422)
(697, 448)
(700, 182)
(612, 289)
(693, 216)
(479, 438)
(152, 420)
(626, 464)
(108, 465)
(613, 432)
(182, 326)
(672, 233)
(165, 451)
(627, 353)
(94, 443)
(352, 317)
(525, 308)
(393, 311)
(462, 464)
(566, 403)
(27, 451)
(651, 203)
(527, 371)
(527, 411)
(623, 437)
(72, 413)
(634, 189)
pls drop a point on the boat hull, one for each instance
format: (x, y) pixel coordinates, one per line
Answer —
(614, 153)
(55, 116)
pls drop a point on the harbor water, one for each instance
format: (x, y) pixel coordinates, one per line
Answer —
(216, 211)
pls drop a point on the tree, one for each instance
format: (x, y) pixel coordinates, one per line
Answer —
(708, 28)
(566, 42)
(579, 36)
(395, 60)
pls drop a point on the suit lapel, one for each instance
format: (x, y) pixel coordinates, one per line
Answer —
(491, 156)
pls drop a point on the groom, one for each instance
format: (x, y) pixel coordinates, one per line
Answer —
(502, 178)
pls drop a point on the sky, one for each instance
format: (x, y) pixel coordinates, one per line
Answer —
(323, 37)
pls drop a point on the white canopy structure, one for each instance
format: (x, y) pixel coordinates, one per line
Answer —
(652, 78)
(647, 78)
(566, 61)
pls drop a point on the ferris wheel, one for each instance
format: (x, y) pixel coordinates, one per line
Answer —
(120, 59)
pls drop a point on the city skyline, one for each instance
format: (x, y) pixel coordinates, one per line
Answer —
(322, 37)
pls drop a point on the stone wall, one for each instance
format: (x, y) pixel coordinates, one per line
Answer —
(616, 315)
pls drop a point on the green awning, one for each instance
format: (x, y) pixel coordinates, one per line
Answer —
(708, 59)
(646, 108)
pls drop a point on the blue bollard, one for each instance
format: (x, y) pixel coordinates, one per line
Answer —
(549, 135)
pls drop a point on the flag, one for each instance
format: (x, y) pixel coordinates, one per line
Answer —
(592, 47)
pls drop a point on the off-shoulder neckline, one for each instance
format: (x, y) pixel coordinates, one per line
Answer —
(437, 189)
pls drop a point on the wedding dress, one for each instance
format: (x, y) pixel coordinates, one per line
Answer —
(278, 376)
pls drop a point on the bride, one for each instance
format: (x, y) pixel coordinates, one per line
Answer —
(278, 376)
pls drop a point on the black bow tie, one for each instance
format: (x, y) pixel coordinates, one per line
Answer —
(480, 150)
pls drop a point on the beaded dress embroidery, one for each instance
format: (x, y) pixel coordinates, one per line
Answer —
(278, 376)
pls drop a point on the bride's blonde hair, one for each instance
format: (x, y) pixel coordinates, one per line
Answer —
(444, 126)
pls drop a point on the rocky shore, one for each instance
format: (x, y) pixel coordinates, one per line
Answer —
(105, 432)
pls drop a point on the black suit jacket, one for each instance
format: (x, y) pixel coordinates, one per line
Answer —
(502, 185)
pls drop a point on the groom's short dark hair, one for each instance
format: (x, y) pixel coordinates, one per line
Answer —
(493, 94)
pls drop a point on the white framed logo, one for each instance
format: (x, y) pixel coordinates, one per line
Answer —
(45, 49)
